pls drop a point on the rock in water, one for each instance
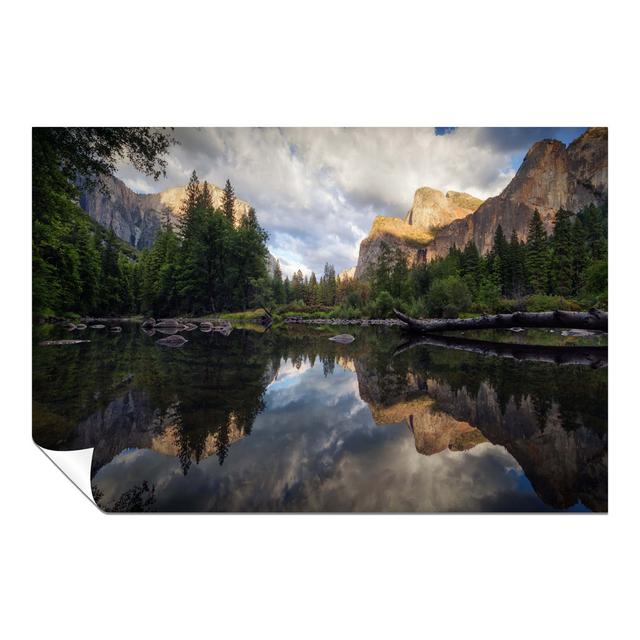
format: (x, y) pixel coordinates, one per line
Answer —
(96, 326)
(168, 323)
(148, 323)
(81, 327)
(343, 338)
(190, 326)
(116, 329)
(52, 343)
(172, 341)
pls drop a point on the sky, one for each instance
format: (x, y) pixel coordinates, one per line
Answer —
(317, 190)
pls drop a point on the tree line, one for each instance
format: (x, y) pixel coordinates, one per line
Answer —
(211, 263)
(566, 268)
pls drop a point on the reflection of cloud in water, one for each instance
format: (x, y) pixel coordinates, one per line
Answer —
(317, 448)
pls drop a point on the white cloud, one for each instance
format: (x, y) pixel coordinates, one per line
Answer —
(317, 191)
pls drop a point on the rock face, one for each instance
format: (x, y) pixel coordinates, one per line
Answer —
(136, 218)
(126, 212)
(432, 208)
(347, 274)
(412, 241)
(552, 176)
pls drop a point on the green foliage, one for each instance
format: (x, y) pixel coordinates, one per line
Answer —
(77, 266)
(537, 255)
(448, 297)
(382, 306)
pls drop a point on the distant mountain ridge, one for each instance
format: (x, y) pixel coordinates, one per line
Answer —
(430, 211)
(552, 176)
(137, 218)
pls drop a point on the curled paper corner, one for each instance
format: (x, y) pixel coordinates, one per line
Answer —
(76, 465)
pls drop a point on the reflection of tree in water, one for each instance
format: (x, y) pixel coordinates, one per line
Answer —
(328, 365)
(139, 498)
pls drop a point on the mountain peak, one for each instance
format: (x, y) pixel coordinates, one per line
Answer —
(432, 208)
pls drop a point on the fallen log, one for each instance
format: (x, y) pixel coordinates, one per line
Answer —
(595, 357)
(593, 319)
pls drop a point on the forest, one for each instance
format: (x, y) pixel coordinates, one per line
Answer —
(209, 265)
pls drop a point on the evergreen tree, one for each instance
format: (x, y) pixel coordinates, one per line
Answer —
(329, 285)
(562, 254)
(517, 266)
(278, 286)
(501, 262)
(312, 290)
(288, 297)
(537, 256)
(580, 256)
(228, 201)
(297, 286)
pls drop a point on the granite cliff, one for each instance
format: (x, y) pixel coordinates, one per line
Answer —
(137, 218)
(431, 210)
(552, 176)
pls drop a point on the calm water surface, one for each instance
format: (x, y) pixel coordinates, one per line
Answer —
(289, 421)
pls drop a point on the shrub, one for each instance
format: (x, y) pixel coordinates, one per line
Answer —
(541, 302)
(382, 306)
(596, 278)
(448, 296)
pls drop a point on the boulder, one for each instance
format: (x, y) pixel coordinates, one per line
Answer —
(148, 323)
(96, 326)
(168, 323)
(343, 338)
(172, 341)
(81, 327)
(115, 329)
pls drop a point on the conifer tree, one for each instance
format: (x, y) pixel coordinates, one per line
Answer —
(537, 256)
(517, 266)
(228, 201)
(278, 286)
(579, 254)
(562, 254)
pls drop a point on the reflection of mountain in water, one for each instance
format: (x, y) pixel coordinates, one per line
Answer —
(563, 456)
(198, 402)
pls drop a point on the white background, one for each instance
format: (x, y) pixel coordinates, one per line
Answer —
(67, 571)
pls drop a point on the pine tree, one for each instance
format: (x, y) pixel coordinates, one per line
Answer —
(579, 254)
(517, 266)
(278, 286)
(312, 290)
(329, 286)
(189, 208)
(562, 254)
(228, 201)
(287, 290)
(501, 250)
(537, 256)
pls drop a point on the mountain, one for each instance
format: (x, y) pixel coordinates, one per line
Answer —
(347, 274)
(396, 234)
(137, 218)
(431, 209)
(552, 176)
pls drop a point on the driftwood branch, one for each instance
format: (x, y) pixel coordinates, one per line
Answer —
(594, 320)
(595, 357)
